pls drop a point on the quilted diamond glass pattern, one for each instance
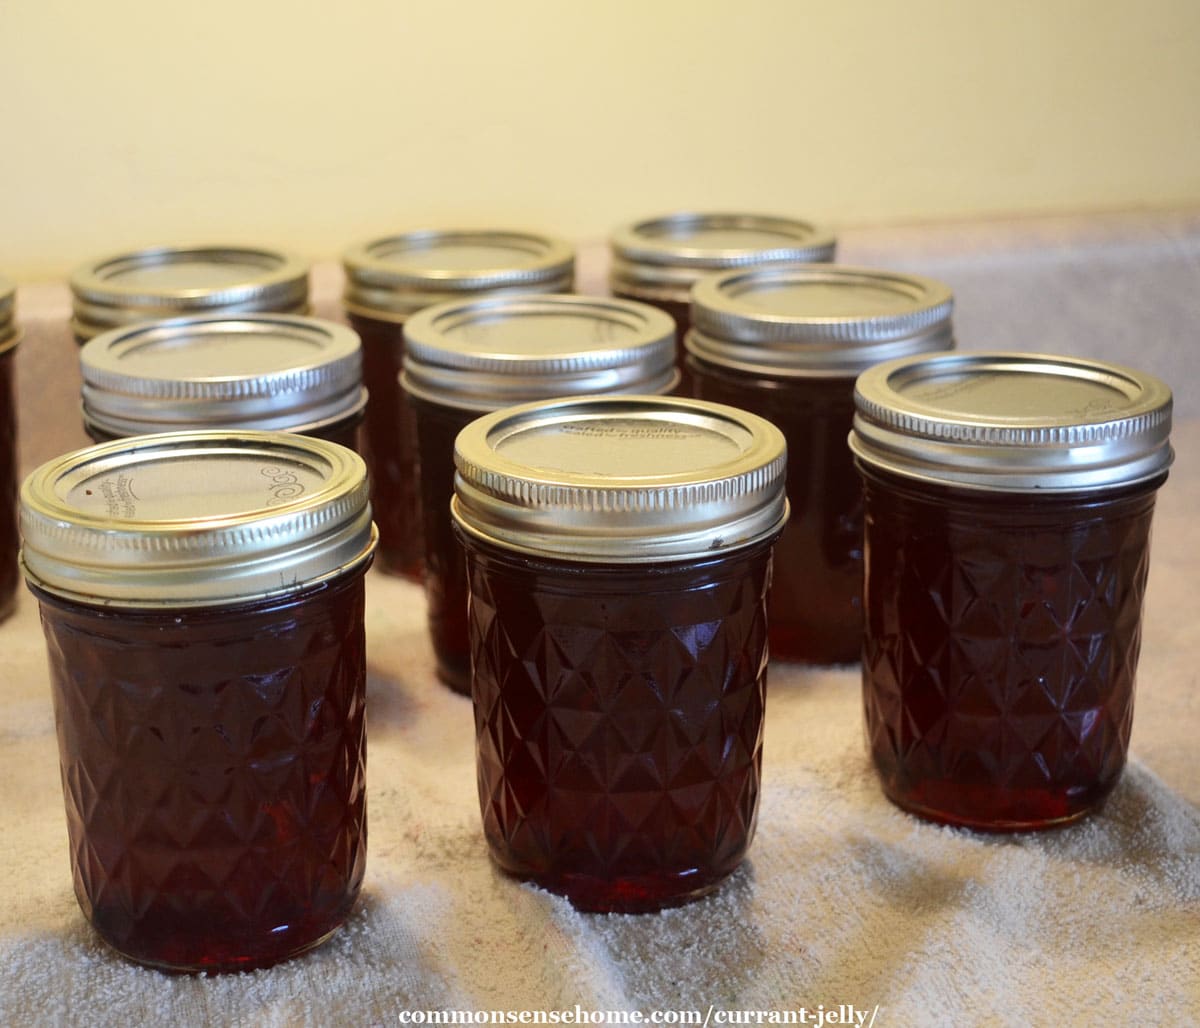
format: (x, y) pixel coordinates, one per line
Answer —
(213, 771)
(618, 715)
(1002, 640)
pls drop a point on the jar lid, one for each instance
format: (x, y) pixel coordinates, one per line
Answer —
(195, 519)
(8, 330)
(393, 277)
(664, 256)
(621, 479)
(265, 371)
(817, 319)
(495, 351)
(1017, 422)
(167, 281)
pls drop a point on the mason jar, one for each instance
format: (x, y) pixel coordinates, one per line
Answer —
(202, 601)
(787, 342)
(388, 280)
(1008, 506)
(468, 357)
(274, 372)
(174, 281)
(658, 260)
(619, 553)
(10, 335)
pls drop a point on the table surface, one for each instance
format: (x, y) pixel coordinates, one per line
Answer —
(844, 899)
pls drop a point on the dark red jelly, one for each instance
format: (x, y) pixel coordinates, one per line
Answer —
(390, 448)
(618, 716)
(213, 769)
(9, 539)
(816, 593)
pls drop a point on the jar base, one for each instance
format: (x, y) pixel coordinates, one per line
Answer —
(632, 894)
(455, 677)
(1054, 809)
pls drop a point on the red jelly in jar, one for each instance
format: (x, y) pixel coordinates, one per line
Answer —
(272, 372)
(202, 601)
(787, 342)
(658, 260)
(469, 357)
(176, 281)
(619, 556)
(387, 281)
(9, 538)
(1008, 508)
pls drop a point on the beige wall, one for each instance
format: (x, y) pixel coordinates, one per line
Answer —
(311, 124)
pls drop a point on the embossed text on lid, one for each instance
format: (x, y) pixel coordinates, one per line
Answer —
(402, 273)
(495, 351)
(194, 518)
(621, 479)
(817, 318)
(269, 371)
(1013, 421)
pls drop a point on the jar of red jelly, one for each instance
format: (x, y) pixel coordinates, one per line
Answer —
(9, 539)
(273, 372)
(387, 281)
(469, 357)
(658, 260)
(1008, 507)
(202, 600)
(174, 281)
(787, 342)
(619, 553)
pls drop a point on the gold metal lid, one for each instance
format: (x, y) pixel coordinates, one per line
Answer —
(396, 276)
(612, 479)
(817, 319)
(168, 281)
(1014, 422)
(260, 371)
(663, 257)
(496, 351)
(195, 519)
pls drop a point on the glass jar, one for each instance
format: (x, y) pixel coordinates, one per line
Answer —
(389, 279)
(174, 281)
(658, 260)
(202, 600)
(469, 357)
(9, 538)
(1008, 507)
(619, 554)
(258, 371)
(787, 342)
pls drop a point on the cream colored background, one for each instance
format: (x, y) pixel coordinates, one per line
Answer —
(310, 125)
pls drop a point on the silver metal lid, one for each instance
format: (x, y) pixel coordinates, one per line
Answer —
(497, 351)
(662, 257)
(195, 519)
(621, 479)
(262, 371)
(394, 277)
(8, 329)
(817, 319)
(168, 281)
(1016, 422)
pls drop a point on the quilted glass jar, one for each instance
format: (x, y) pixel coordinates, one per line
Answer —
(658, 260)
(388, 280)
(176, 281)
(1008, 507)
(469, 357)
(9, 537)
(787, 342)
(272, 372)
(202, 601)
(619, 556)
